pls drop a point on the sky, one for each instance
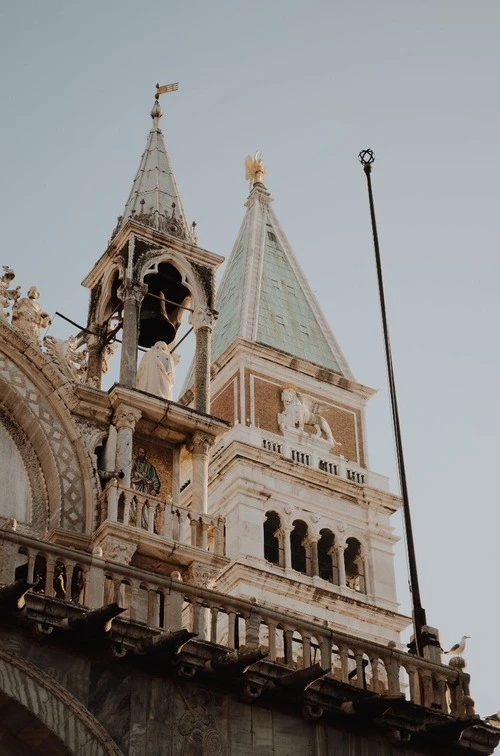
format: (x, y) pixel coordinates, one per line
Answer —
(310, 84)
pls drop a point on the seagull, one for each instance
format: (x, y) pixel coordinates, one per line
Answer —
(458, 648)
(493, 719)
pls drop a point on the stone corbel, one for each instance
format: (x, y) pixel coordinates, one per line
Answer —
(200, 575)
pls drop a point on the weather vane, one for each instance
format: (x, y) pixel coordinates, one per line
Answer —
(166, 88)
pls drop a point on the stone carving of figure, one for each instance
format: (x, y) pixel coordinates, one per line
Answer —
(156, 371)
(144, 477)
(254, 169)
(7, 295)
(301, 410)
(28, 316)
(64, 353)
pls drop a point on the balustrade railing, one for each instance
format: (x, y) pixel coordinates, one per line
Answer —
(161, 517)
(169, 604)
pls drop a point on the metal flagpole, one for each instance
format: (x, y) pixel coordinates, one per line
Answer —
(366, 158)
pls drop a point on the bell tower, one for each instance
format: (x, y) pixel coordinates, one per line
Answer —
(152, 274)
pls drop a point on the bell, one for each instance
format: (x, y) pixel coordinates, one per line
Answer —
(155, 323)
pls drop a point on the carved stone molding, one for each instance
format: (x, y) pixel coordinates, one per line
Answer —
(200, 575)
(117, 550)
(126, 417)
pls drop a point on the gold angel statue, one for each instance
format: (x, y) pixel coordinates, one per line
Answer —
(254, 170)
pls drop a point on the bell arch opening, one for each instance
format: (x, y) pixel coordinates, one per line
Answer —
(163, 306)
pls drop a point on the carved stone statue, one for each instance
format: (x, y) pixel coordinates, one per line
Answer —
(64, 353)
(156, 371)
(28, 316)
(301, 410)
(7, 295)
(254, 169)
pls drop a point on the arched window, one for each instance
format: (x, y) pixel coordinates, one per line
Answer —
(299, 548)
(354, 566)
(273, 539)
(327, 557)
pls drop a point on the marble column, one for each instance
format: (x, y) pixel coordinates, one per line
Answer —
(131, 294)
(313, 545)
(199, 447)
(202, 320)
(287, 547)
(341, 564)
(125, 420)
(94, 360)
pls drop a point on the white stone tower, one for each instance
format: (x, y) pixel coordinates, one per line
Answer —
(307, 522)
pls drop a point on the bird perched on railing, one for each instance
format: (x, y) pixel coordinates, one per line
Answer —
(493, 719)
(458, 648)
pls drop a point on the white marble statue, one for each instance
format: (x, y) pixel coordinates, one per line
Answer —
(301, 410)
(65, 353)
(7, 295)
(156, 371)
(28, 316)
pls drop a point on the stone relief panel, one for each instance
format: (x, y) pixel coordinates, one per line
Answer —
(266, 402)
(199, 713)
(70, 476)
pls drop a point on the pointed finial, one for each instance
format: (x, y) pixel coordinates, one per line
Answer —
(254, 169)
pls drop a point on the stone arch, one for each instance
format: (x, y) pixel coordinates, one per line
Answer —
(54, 706)
(273, 538)
(355, 564)
(299, 547)
(109, 285)
(35, 395)
(189, 276)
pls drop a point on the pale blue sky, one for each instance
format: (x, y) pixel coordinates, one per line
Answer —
(310, 84)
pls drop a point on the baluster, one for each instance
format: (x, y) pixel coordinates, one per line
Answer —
(441, 686)
(134, 595)
(306, 651)
(69, 578)
(111, 498)
(415, 692)
(49, 579)
(392, 668)
(195, 613)
(271, 627)
(174, 605)
(153, 619)
(204, 535)
(360, 681)
(252, 629)
(214, 614)
(184, 528)
(168, 523)
(375, 678)
(326, 652)
(288, 638)
(428, 690)
(231, 627)
(151, 508)
(194, 531)
(344, 663)
(127, 502)
(31, 565)
(117, 584)
(219, 537)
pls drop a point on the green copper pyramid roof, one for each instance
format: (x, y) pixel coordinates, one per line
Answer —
(265, 298)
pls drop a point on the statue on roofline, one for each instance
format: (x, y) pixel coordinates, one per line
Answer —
(254, 168)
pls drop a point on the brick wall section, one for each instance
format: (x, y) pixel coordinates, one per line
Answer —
(342, 419)
(222, 405)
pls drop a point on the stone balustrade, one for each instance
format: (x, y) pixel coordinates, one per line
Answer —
(161, 517)
(310, 453)
(164, 603)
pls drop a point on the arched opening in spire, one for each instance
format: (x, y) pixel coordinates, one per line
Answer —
(163, 305)
(300, 554)
(327, 557)
(273, 539)
(354, 565)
